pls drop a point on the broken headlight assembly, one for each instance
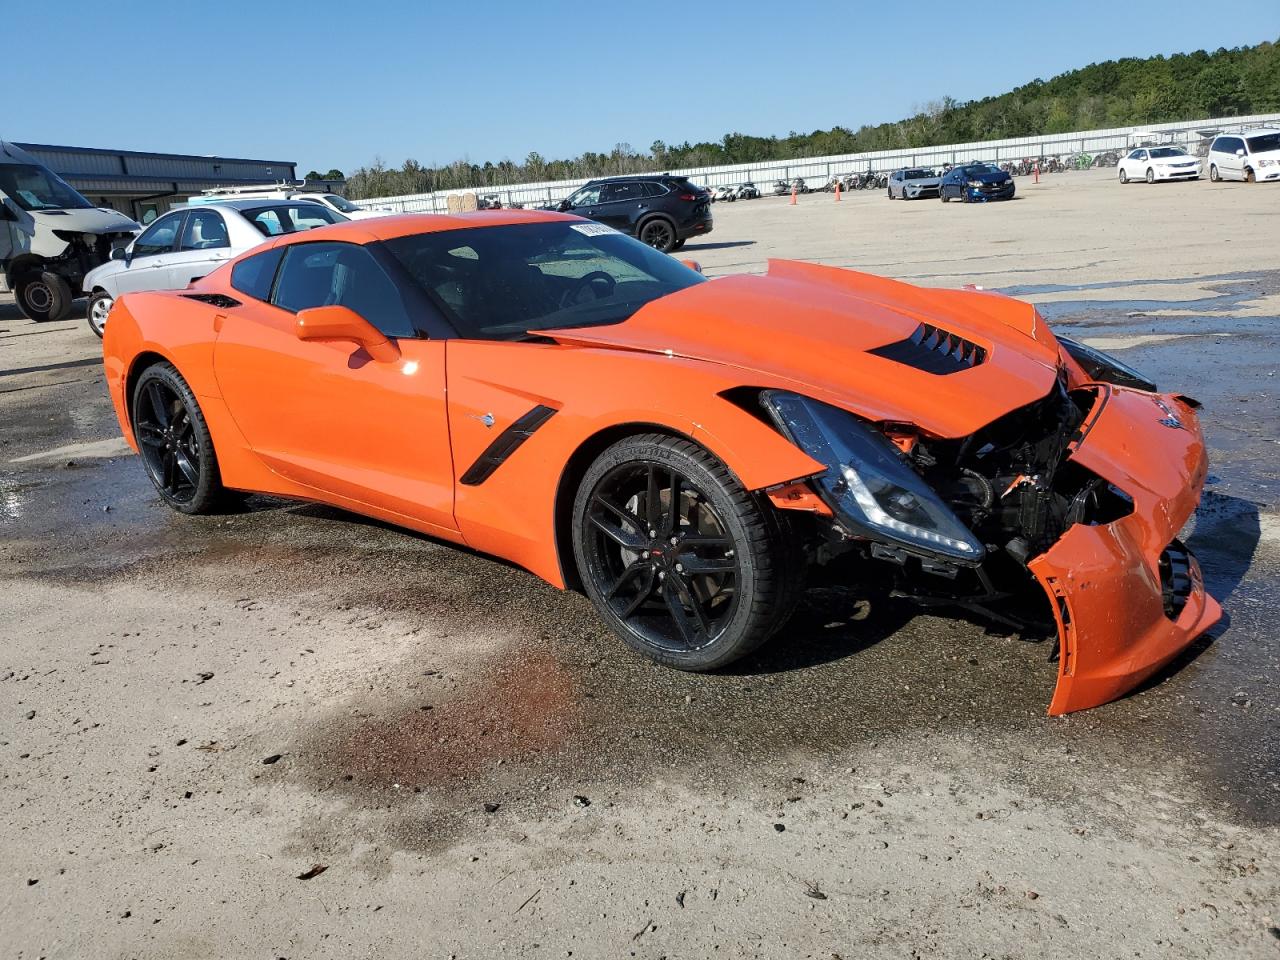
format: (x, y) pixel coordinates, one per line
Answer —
(1103, 367)
(872, 491)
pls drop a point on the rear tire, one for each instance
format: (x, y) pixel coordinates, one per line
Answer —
(43, 297)
(174, 441)
(694, 588)
(659, 234)
(1151, 175)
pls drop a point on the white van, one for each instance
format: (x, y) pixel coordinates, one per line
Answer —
(1253, 156)
(50, 236)
(288, 191)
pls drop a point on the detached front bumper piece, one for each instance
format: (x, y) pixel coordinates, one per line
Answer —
(1126, 595)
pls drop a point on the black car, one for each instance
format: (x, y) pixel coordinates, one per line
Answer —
(976, 183)
(661, 210)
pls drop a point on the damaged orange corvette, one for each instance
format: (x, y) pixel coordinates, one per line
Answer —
(685, 452)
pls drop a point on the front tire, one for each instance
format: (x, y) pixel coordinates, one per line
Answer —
(1249, 176)
(173, 439)
(44, 297)
(1151, 175)
(659, 234)
(1124, 176)
(99, 306)
(684, 564)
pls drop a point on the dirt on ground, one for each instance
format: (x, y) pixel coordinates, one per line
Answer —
(291, 732)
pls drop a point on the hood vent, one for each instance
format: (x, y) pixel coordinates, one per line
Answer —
(933, 350)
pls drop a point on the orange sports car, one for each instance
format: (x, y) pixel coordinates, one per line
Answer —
(685, 452)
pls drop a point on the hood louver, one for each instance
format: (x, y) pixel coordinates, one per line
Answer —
(933, 350)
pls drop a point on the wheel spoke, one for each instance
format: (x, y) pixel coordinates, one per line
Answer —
(653, 500)
(696, 540)
(188, 469)
(644, 593)
(694, 564)
(159, 406)
(150, 435)
(168, 478)
(687, 598)
(679, 615)
(672, 523)
(625, 538)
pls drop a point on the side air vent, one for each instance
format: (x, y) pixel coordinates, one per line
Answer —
(1175, 579)
(934, 350)
(220, 300)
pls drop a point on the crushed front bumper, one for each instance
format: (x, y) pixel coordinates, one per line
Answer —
(1117, 624)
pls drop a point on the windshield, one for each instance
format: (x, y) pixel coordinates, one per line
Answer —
(1268, 141)
(978, 169)
(1159, 152)
(33, 187)
(342, 203)
(500, 283)
(918, 174)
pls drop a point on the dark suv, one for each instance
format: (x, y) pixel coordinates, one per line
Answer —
(661, 210)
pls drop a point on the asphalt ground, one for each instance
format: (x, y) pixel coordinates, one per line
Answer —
(196, 713)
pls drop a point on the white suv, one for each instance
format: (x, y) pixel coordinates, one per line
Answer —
(1253, 156)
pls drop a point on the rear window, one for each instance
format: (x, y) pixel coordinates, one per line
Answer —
(253, 276)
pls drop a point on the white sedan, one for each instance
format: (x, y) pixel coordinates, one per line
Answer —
(1158, 163)
(189, 242)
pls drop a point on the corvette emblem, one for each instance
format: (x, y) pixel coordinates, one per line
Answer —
(486, 419)
(1170, 420)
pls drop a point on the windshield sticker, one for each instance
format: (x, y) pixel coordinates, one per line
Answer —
(592, 229)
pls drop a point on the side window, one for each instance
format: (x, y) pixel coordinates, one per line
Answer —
(622, 191)
(159, 237)
(253, 275)
(1136, 155)
(342, 274)
(652, 189)
(205, 230)
(585, 197)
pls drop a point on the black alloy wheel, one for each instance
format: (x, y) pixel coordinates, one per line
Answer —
(659, 234)
(684, 564)
(174, 441)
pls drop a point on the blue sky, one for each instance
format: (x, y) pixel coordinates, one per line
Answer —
(336, 84)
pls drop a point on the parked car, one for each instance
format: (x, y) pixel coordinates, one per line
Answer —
(799, 185)
(339, 204)
(189, 242)
(913, 184)
(781, 188)
(748, 191)
(725, 193)
(612, 423)
(661, 210)
(976, 183)
(50, 236)
(1253, 156)
(1158, 163)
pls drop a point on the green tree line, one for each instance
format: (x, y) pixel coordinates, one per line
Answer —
(1116, 93)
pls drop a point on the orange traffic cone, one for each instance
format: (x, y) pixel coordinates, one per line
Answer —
(1037, 173)
(837, 191)
(793, 194)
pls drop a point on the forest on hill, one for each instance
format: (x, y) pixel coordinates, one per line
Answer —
(1116, 93)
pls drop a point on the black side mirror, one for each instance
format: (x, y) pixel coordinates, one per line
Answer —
(117, 253)
(6, 213)
(564, 205)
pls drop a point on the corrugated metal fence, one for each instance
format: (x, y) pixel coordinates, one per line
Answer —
(819, 170)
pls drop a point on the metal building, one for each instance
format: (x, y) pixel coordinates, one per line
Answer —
(145, 185)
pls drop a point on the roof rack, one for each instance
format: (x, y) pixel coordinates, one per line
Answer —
(297, 186)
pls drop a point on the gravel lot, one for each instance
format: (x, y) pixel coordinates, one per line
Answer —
(290, 732)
